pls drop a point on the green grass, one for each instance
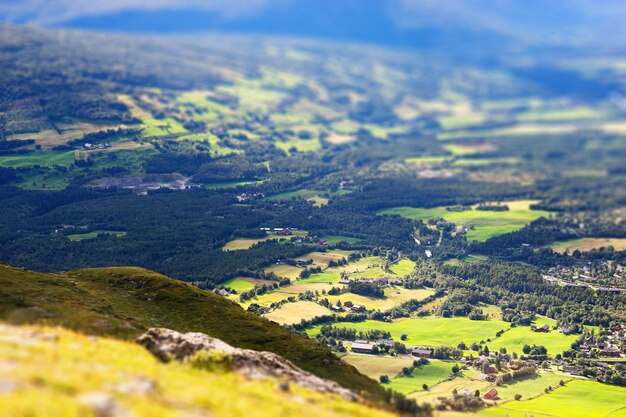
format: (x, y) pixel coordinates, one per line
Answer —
(304, 193)
(123, 302)
(238, 284)
(161, 127)
(577, 399)
(515, 339)
(333, 240)
(555, 115)
(41, 158)
(403, 267)
(588, 243)
(427, 160)
(92, 235)
(431, 331)
(292, 313)
(430, 374)
(53, 372)
(323, 277)
(530, 387)
(487, 223)
(478, 162)
(376, 365)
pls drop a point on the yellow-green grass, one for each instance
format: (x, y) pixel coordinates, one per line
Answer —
(113, 302)
(322, 258)
(253, 97)
(526, 129)
(487, 223)
(161, 127)
(41, 158)
(285, 271)
(213, 141)
(346, 127)
(383, 132)
(231, 184)
(332, 240)
(55, 372)
(324, 277)
(428, 160)
(515, 338)
(588, 243)
(201, 99)
(460, 121)
(247, 243)
(239, 284)
(92, 235)
(556, 115)
(530, 387)
(436, 371)
(402, 267)
(431, 331)
(576, 399)
(360, 265)
(478, 162)
(283, 293)
(300, 145)
(375, 366)
(291, 313)
(318, 201)
(469, 149)
(304, 193)
(445, 388)
(394, 296)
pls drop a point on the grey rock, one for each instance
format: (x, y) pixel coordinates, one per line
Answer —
(168, 345)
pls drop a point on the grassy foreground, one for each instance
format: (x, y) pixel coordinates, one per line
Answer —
(57, 372)
(123, 302)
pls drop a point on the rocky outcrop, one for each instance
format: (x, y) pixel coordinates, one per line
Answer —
(169, 345)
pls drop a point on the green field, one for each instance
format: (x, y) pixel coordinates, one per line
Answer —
(430, 374)
(323, 277)
(305, 194)
(402, 267)
(487, 223)
(376, 365)
(285, 271)
(431, 331)
(332, 240)
(530, 387)
(291, 313)
(238, 284)
(41, 158)
(588, 243)
(394, 296)
(515, 339)
(92, 235)
(577, 399)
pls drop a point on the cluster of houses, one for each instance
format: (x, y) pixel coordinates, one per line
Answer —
(91, 146)
(282, 231)
(349, 306)
(243, 197)
(383, 282)
(598, 276)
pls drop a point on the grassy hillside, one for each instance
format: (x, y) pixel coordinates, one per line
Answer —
(123, 302)
(57, 372)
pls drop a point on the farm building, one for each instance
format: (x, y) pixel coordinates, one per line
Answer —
(610, 352)
(543, 329)
(421, 352)
(362, 347)
(491, 395)
(385, 342)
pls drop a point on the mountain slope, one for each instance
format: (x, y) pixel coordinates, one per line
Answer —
(124, 302)
(70, 374)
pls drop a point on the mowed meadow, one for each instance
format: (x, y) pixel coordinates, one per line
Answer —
(486, 223)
